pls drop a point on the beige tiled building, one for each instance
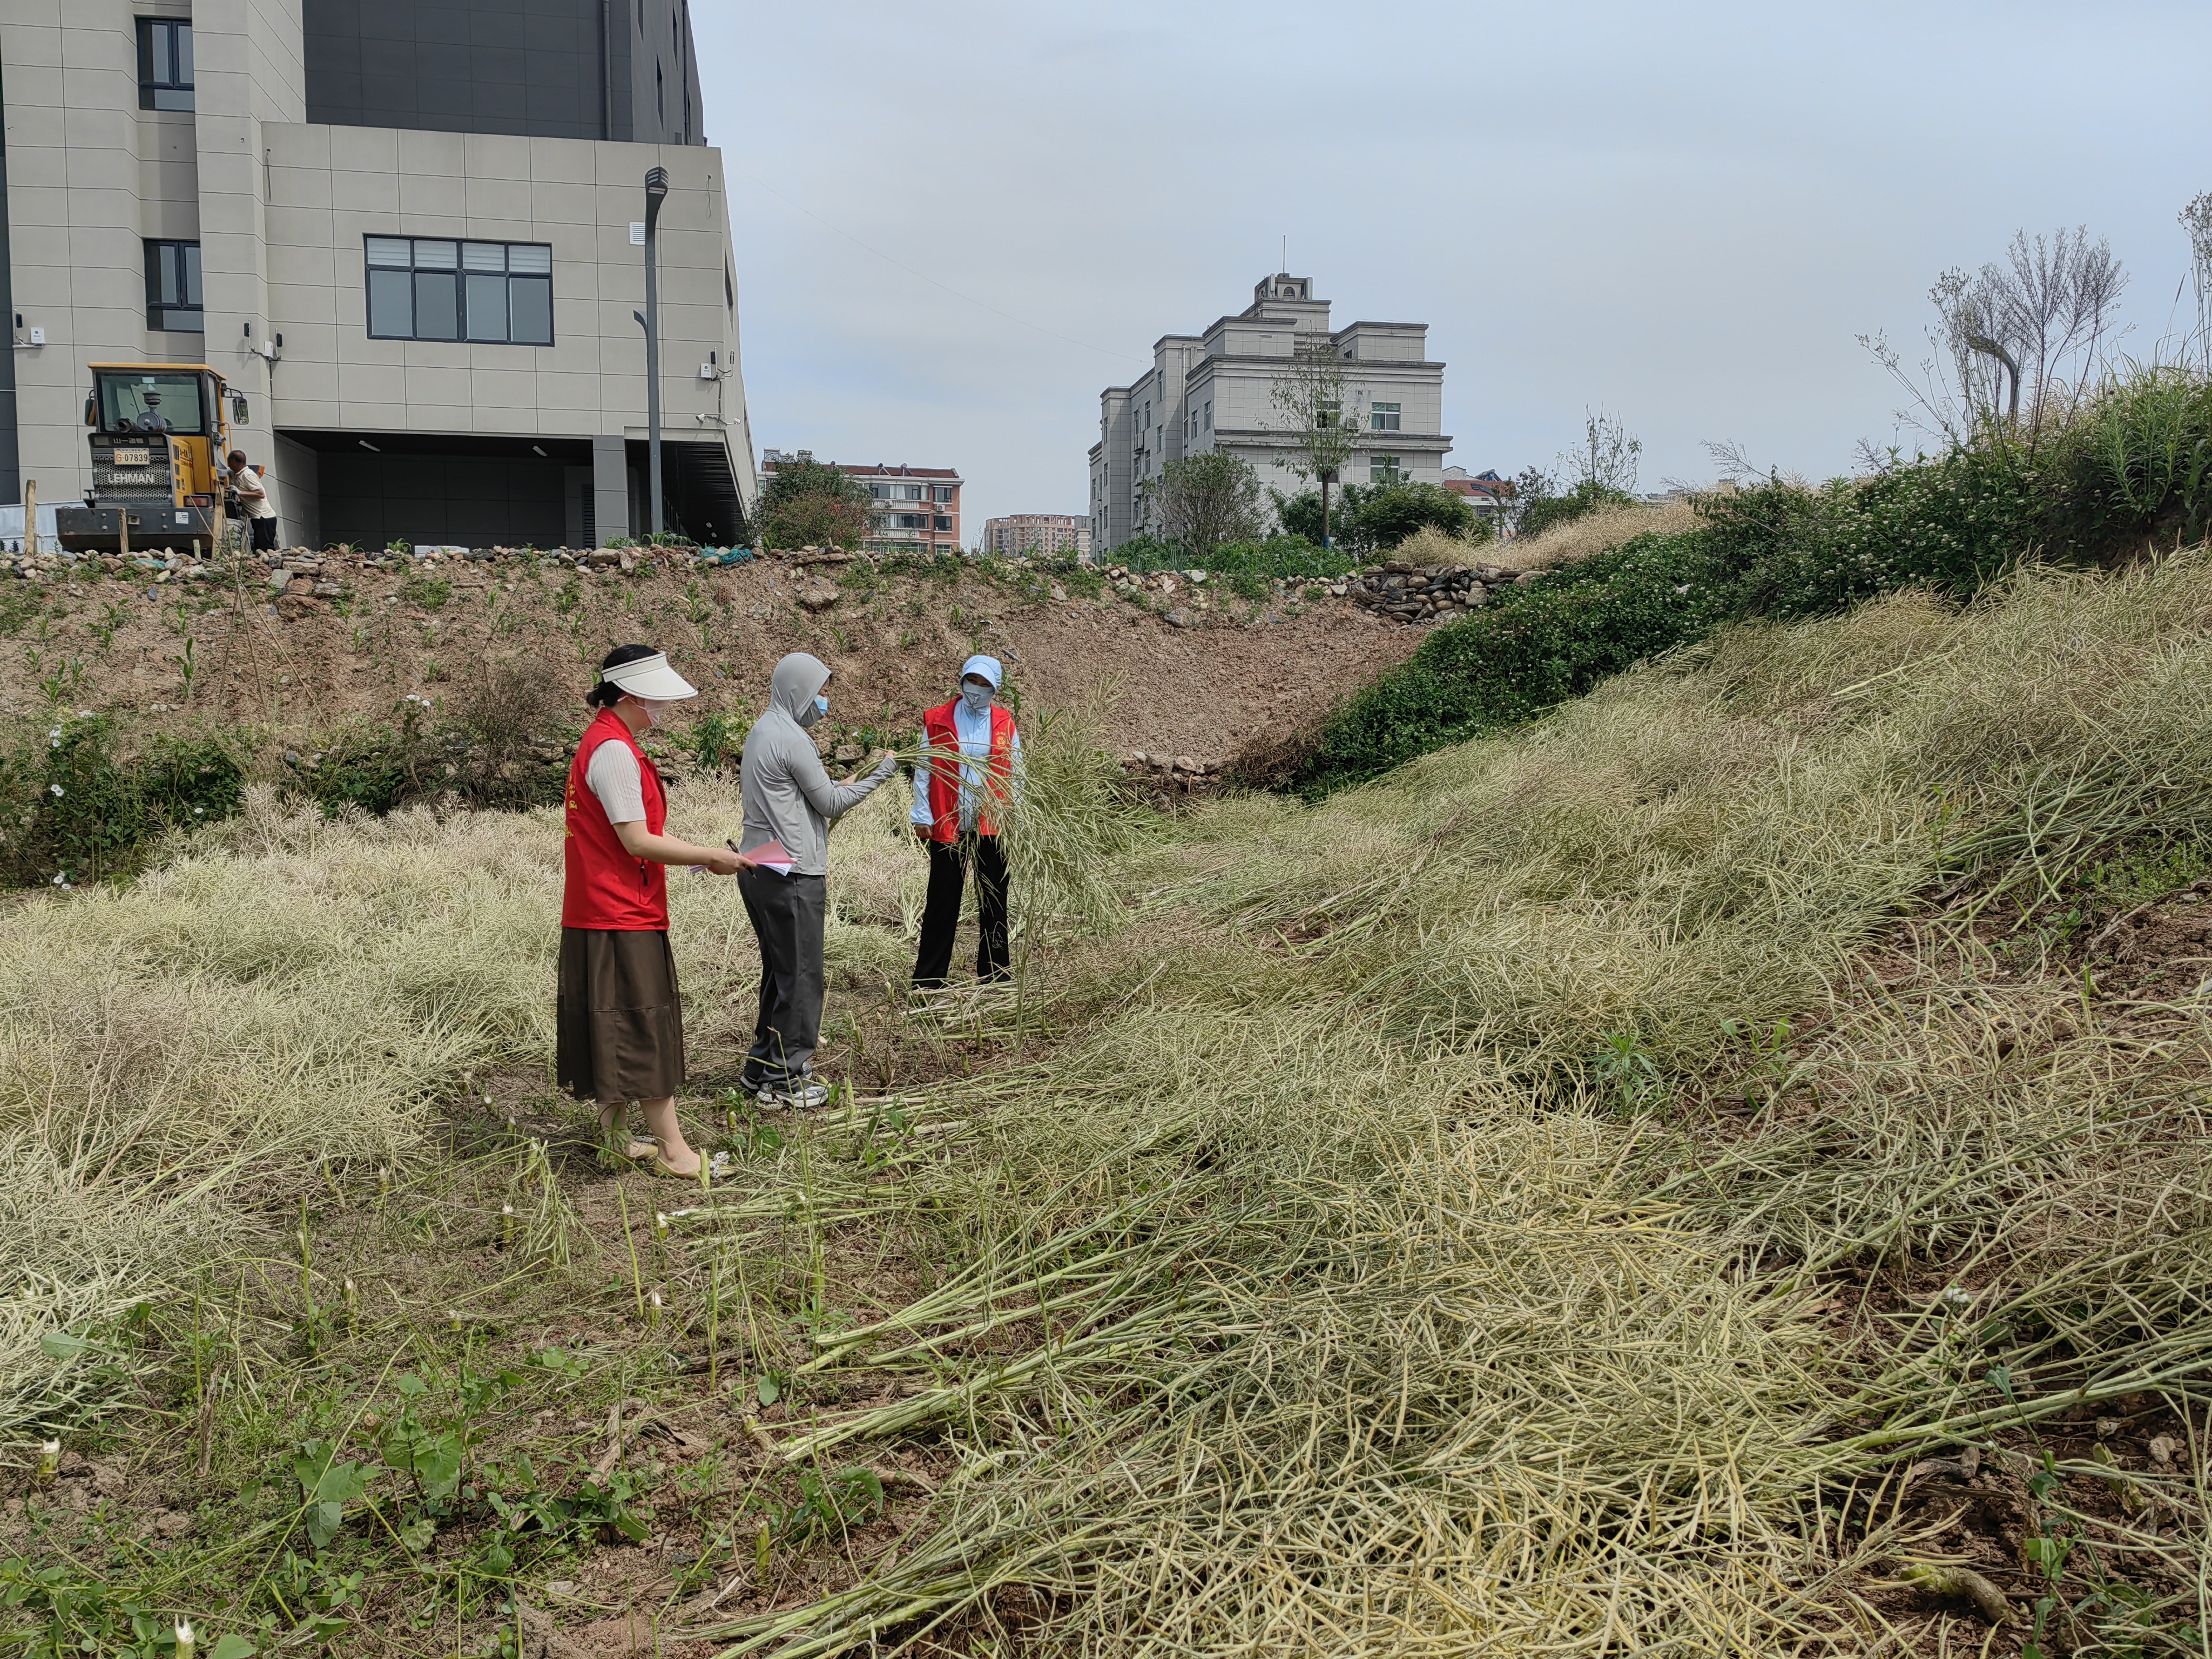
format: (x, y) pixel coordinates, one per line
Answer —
(1215, 390)
(1046, 533)
(405, 230)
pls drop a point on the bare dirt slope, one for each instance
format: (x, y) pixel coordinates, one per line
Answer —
(354, 638)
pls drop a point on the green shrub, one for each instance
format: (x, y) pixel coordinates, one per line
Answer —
(1385, 515)
(2134, 459)
(1151, 553)
(1530, 648)
(1373, 518)
(716, 740)
(73, 810)
(1540, 505)
(808, 503)
(1951, 524)
(369, 765)
(477, 750)
(2144, 452)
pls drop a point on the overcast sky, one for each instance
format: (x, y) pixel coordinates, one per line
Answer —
(956, 222)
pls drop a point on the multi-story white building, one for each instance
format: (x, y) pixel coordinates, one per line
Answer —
(408, 234)
(1043, 533)
(1216, 391)
(917, 507)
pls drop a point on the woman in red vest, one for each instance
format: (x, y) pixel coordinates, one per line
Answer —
(620, 1024)
(971, 749)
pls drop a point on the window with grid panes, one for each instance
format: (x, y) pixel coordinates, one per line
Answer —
(487, 293)
(165, 63)
(173, 287)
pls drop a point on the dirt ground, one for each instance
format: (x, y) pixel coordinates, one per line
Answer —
(1196, 676)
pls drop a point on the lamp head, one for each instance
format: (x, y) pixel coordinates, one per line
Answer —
(656, 192)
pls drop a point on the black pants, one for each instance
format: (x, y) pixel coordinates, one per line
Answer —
(264, 535)
(787, 913)
(940, 915)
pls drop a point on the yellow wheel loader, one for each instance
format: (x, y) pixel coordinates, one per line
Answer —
(159, 432)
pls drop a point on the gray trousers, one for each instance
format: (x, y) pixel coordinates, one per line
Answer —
(787, 913)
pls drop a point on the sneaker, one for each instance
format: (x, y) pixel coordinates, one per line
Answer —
(796, 1095)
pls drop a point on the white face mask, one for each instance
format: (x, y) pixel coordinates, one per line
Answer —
(977, 697)
(652, 708)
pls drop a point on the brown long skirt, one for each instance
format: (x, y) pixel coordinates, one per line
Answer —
(618, 1024)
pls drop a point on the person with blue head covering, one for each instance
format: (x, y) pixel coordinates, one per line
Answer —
(968, 775)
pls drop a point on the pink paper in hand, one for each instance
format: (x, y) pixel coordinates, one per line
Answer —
(772, 855)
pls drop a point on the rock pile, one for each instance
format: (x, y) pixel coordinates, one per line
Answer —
(1410, 593)
(1162, 778)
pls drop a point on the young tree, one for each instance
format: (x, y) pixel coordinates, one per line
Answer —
(1310, 399)
(2033, 325)
(1602, 473)
(806, 503)
(2196, 220)
(1605, 464)
(1203, 501)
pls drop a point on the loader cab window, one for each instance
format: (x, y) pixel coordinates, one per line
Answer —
(128, 404)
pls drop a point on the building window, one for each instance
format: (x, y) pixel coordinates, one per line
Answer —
(913, 521)
(1209, 414)
(1328, 414)
(489, 292)
(164, 64)
(1382, 417)
(1383, 469)
(943, 521)
(940, 492)
(173, 287)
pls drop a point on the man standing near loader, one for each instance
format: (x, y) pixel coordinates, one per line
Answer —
(970, 751)
(252, 492)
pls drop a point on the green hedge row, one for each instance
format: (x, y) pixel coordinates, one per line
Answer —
(2131, 467)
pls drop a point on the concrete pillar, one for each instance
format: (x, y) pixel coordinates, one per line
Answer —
(610, 489)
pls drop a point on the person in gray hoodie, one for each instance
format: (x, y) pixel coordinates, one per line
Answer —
(789, 798)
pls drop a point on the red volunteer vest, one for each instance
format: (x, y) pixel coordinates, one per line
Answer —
(608, 888)
(944, 739)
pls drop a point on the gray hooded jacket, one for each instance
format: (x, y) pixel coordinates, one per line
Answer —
(787, 795)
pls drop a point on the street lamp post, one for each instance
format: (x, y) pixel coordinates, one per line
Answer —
(656, 192)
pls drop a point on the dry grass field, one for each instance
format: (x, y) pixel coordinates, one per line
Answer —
(1720, 1170)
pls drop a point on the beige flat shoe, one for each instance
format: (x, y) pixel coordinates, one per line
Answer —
(661, 1166)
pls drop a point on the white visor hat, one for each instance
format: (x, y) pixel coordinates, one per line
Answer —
(651, 678)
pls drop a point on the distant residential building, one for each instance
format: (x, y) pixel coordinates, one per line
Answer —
(1044, 534)
(1214, 391)
(1486, 492)
(917, 507)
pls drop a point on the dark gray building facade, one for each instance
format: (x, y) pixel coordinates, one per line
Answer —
(621, 70)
